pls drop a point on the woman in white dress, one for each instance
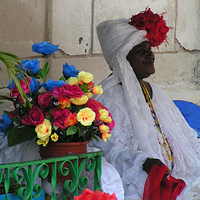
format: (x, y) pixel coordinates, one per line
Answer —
(149, 129)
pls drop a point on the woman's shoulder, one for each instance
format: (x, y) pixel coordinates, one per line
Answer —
(113, 94)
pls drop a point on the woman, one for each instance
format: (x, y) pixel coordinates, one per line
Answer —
(149, 128)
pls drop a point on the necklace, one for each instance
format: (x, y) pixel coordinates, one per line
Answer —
(165, 144)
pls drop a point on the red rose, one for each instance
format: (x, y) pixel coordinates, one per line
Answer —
(95, 106)
(72, 91)
(44, 99)
(34, 117)
(67, 91)
(94, 195)
(59, 117)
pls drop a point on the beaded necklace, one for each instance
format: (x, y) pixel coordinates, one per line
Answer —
(165, 144)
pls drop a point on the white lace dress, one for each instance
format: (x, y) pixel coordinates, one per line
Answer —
(125, 153)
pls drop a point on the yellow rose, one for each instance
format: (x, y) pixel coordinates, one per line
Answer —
(85, 77)
(72, 81)
(43, 130)
(107, 120)
(43, 142)
(89, 94)
(79, 101)
(97, 89)
(106, 136)
(86, 116)
(54, 137)
(103, 113)
(104, 129)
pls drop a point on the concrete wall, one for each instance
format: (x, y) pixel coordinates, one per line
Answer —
(71, 24)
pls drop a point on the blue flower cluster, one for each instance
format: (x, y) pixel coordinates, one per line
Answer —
(51, 84)
(70, 71)
(45, 48)
(5, 122)
(31, 66)
(34, 85)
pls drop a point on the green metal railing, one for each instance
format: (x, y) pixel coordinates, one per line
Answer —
(27, 177)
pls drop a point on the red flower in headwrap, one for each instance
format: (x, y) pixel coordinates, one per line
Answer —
(153, 24)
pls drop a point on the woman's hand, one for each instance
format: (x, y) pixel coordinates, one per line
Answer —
(149, 163)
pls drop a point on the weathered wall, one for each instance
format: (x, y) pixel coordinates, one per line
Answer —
(71, 23)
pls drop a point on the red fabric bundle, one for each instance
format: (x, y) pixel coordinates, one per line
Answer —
(161, 186)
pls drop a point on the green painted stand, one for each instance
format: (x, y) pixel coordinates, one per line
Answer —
(24, 175)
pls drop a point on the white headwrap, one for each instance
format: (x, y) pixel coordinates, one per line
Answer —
(117, 38)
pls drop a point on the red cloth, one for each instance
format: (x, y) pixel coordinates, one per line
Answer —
(161, 186)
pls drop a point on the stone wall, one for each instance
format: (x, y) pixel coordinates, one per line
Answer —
(71, 24)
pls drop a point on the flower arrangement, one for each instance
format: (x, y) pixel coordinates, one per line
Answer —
(154, 25)
(94, 195)
(53, 110)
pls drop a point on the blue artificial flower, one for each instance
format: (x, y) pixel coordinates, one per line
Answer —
(31, 66)
(70, 71)
(5, 122)
(51, 84)
(45, 48)
(34, 85)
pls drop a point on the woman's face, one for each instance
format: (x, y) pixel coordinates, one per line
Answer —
(141, 59)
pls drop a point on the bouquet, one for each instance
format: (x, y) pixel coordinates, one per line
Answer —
(61, 110)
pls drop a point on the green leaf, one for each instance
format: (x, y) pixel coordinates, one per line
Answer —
(17, 135)
(11, 61)
(84, 87)
(62, 78)
(9, 54)
(46, 69)
(44, 72)
(71, 130)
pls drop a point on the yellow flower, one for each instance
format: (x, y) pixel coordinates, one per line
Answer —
(103, 113)
(104, 129)
(79, 101)
(72, 81)
(86, 116)
(43, 142)
(104, 116)
(97, 89)
(54, 137)
(107, 120)
(106, 136)
(85, 77)
(43, 130)
(89, 94)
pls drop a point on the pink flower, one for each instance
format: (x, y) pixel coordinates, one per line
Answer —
(112, 124)
(95, 106)
(44, 99)
(59, 117)
(25, 86)
(34, 117)
(95, 195)
(68, 91)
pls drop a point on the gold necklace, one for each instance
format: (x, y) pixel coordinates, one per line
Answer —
(165, 142)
